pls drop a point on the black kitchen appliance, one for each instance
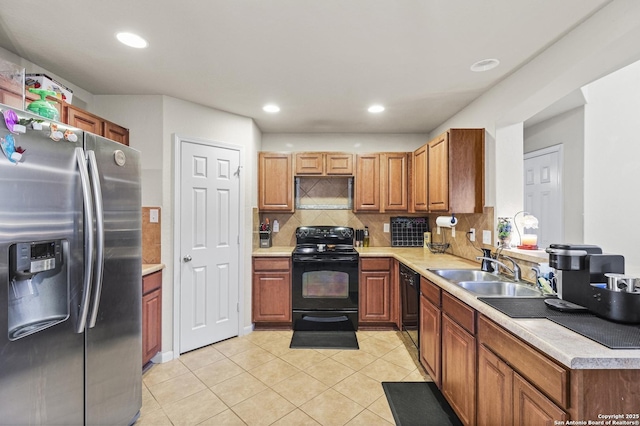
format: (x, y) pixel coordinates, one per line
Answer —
(410, 294)
(324, 285)
(408, 231)
(581, 274)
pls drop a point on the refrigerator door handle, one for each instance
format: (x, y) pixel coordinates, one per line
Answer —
(99, 216)
(88, 239)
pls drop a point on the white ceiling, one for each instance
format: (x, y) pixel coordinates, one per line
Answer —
(323, 62)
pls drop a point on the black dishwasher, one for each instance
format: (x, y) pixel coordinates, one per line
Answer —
(410, 294)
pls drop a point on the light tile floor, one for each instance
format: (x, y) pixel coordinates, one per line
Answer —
(257, 380)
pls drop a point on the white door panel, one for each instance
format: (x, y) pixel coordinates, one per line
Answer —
(209, 244)
(543, 196)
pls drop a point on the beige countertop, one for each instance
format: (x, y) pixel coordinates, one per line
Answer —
(565, 346)
(150, 268)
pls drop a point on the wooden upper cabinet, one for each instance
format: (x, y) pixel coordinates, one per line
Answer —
(81, 119)
(420, 179)
(275, 182)
(116, 133)
(438, 173)
(367, 188)
(394, 176)
(324, 163)
(449, 173)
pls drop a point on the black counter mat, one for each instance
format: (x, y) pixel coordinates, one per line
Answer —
(519, 307)
(610, 334)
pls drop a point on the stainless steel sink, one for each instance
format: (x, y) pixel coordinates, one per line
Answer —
(482, 283)
(499, 288)
(458, 275)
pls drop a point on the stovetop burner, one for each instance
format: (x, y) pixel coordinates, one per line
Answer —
(324, 241)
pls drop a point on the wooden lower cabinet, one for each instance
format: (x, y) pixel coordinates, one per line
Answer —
(376, 294)
(459, 369)
(532, 407)
(495, 390)
(271, 302)
(151, 316)
(430, 324)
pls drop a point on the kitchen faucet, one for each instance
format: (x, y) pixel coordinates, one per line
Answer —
(515, 271)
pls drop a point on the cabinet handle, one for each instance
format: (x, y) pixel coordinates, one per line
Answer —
(187, 258)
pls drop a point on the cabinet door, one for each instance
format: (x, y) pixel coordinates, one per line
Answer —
(272, 297)
(430, 347)
(531, 407)
(275, 182)
(367, 182)
(459, 370)
(438, 173)
(375, 297)
(10, 97)
(309, 163)
(83, 120)
(495, 390)
(395, 182)
(420, 179)
(337, 163)
(116, 133)
(151, 325)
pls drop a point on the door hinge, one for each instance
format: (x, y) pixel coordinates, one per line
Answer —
(238, 307)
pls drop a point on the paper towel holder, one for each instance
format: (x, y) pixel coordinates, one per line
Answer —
(447, 221)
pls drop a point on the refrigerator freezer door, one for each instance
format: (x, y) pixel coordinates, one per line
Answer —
(114, 343)
(41, 372)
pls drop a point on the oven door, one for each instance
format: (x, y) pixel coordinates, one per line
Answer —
(325, 295)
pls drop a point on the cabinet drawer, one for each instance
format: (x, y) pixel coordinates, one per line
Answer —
(458, 311)
(271, 263)
(544, 373)
(375, 264)
(151, 282)
(430, 291)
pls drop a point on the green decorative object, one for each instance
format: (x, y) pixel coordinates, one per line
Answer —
(42, 107)
(504, 232)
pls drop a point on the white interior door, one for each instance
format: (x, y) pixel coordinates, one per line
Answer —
(543, 193)
(209, 244)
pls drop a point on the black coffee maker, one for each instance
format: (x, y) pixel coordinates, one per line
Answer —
(580, 279)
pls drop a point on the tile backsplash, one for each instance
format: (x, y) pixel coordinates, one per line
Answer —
(151, 237)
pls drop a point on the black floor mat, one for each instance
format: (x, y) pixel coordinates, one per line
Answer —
(324, 340)
(419, 403)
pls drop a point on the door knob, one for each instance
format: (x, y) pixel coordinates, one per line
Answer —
(187, 258)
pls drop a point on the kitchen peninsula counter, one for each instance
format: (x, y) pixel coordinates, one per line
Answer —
(568, 348)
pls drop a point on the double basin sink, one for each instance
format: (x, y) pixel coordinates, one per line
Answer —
(485, 284)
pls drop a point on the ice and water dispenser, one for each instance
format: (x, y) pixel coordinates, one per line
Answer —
(38, 286)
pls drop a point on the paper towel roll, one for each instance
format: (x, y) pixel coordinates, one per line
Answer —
(446, 221)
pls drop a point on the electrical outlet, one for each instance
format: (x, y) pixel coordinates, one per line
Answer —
(385, 227)
(472, 234)
(438, 230)
(486, 237)
(453, 232)
(153, 215)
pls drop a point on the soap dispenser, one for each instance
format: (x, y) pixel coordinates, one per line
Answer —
(487, 265)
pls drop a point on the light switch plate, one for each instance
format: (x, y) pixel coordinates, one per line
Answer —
(153, 215)
(385, 227)
(486, 237)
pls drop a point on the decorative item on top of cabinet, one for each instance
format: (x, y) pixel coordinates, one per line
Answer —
(275, 182)
(382, 182)
(324, 163)
(377, 296)
(151, 316)
(271, 301)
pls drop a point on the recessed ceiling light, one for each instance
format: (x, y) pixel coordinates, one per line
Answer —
(376, 108)
(485, 65)
(132, 40)
(271, 108)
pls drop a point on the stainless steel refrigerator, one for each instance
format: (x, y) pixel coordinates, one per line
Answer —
(70, 277)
